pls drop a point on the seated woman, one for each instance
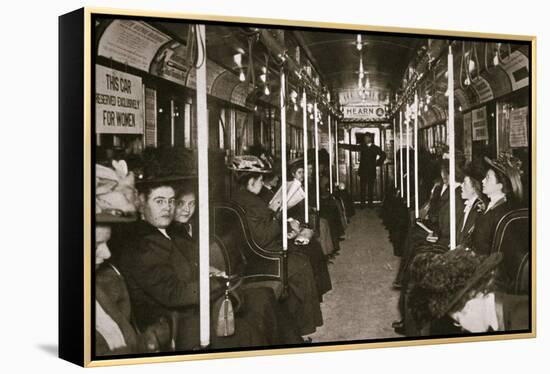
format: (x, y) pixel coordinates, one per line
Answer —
(460, 284)
(114, 332)
(162, 272)
(502, 185)
(474, 205)
(303, 301)
(270, 186)
(259, 303)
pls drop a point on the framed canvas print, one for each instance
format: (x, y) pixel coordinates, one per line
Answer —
(234, 187)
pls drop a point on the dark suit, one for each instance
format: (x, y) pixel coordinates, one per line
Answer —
(371, 157)
(486, 225)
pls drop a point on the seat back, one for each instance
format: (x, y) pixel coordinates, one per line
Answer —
(512, 239)
(244, 256)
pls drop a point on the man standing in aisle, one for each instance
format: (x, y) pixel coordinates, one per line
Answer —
(371, 157)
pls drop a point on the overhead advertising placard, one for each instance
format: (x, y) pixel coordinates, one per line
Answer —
(517, 68)
(363, 96)
(170, 63)
(131, 42)
(365, 112)
(479, 124)
(483, 89)
(118, 102)
(518, 128)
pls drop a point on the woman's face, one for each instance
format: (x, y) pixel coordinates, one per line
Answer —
(474, 316)
(468, 191)
(490, 184)
(255, 185)
(102, 236)
(299, 174)
(185, 207)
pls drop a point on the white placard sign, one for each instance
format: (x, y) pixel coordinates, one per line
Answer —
(118, 102)
(365, 112)
(518, 128)
(479, 124)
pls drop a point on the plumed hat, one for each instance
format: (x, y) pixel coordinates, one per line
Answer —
(115, 193)
(510, 166)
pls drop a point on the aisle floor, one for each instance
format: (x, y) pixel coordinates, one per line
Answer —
(362, 303)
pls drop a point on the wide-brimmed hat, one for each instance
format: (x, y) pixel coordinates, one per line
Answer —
(295, 164)
(510, 166)
(115, 194)
(486, 267)
(442, 280)
(248, 163)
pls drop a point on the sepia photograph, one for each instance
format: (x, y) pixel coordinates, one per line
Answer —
(257, 187)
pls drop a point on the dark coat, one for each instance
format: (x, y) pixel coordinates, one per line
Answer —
(112, 295)
(305, 273)
(163, 278)
(486, 225)
(266, 229)
(162, 274)
(371, 157)
(463, 233)
(266, 194)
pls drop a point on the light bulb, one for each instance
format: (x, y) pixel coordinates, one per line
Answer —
(428, 99)
(242, 77)
(266, 90)
(263, 77)
(295, 107)
(467, 81)
(471, 65)
(425, 108)
(495, 59)
(238, 58)
(460, 108)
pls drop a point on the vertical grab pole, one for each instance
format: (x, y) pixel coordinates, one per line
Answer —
(408, 131)
(316, 156)
(451, 135)
(282, 96)
(337, 158)
(202, 155)
(401, 149)
(416, 213)
(306, 176)
(329, 154)
(394, 153)
(283, 159)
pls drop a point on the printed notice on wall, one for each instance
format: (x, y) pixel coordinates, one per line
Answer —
(479, 124)
(118, 102)
(518, 128)
(150, 117)
(468, 136)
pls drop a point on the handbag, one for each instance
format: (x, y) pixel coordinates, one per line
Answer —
(226, 307)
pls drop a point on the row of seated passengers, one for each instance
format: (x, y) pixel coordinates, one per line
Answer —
(480, 206)
(147, 289)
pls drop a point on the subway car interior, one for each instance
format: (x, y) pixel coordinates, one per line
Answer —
(407, 165)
